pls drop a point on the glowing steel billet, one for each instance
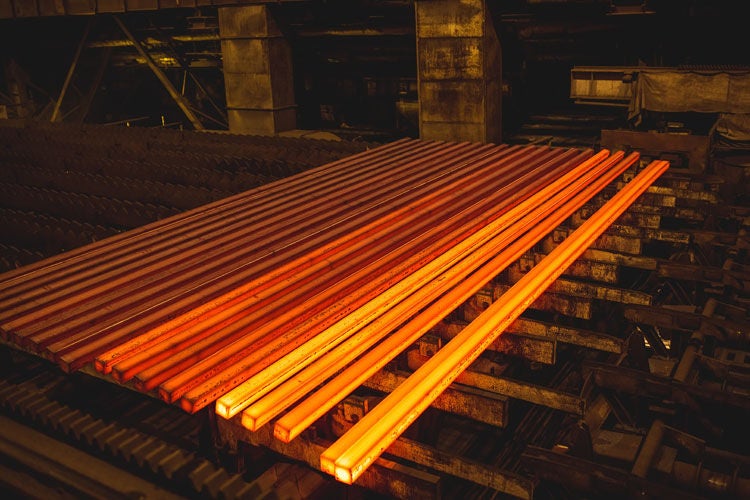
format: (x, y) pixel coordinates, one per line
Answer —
(232, 402)
(351, 454)
(258, 238)
(242, 309)
(78, 261)
(312, 408)
(360, 287)
(541, 220)
(203, 354)
(250, 359)
(354, 238)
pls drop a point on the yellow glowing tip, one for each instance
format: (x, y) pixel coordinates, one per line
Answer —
(344, 475)
(281, 434)
(222, 410)
(249, 423)
(327, 464)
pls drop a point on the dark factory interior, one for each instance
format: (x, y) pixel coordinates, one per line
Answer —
(373, 249)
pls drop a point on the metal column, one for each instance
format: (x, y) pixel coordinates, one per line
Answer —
(257, 71)
(459, 71)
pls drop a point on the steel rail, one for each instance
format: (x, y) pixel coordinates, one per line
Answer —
(351, 454)
(562, 198)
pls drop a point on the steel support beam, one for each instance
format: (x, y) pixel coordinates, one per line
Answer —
(173, 93)
(89, 98)
(71, 70)
(590, 476)
(636, 382)
(472, 401)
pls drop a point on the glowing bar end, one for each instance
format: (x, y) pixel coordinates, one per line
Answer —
(282, 434)
(187, 405)
(327, 464)
(102, 367)
(251, 423)
(344, 475)
(222, 409)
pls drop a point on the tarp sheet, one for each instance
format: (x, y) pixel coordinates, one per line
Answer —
(677, 91)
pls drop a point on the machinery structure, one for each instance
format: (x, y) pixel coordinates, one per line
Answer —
(424, 298)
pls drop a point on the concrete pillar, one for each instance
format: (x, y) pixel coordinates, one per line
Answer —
(459, 71)
(257, 71)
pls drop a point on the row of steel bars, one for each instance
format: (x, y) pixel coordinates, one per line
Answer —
(411, 294)
(444, 293)
(196, 304)
(135, 248)
(371, 282)
(48, 301)
(11, 279)
(54, 297)
(257, 329)
(351, 454)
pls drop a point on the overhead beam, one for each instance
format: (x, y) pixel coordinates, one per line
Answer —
(29, 8)
(71, 70)
(173, 93)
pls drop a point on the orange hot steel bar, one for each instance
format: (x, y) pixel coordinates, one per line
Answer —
(284, 295)
(410, 256)
(349, 456)
(245, 212)
(280, 267)
(131, 319)
(258, 265)
(22, 285)
(390, 301)
(267, 281)
(498, 253)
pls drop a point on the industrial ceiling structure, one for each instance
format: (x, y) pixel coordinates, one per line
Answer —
(374, 249)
